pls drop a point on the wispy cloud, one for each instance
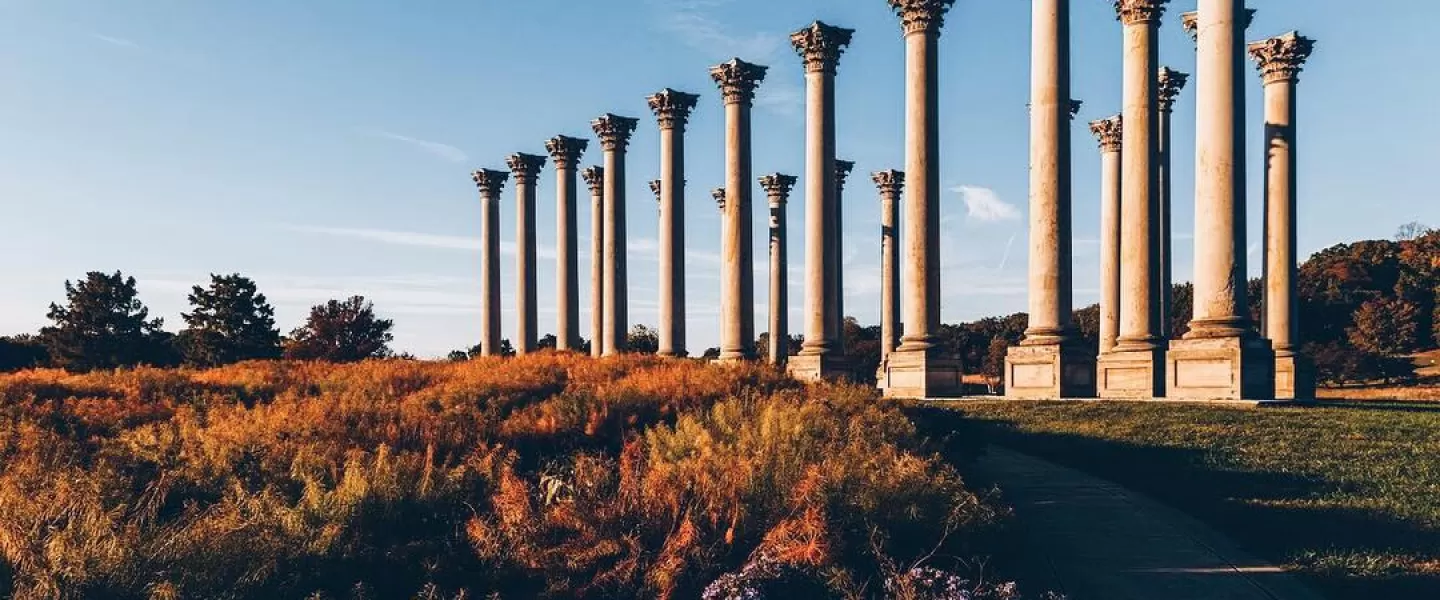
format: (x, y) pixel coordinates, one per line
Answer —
(1005, 258)
(782, 97)
(437, 149)
(396, 238)
(983, 204)
(694, 24)
(115, 41)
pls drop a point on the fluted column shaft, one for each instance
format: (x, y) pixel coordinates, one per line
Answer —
(820, 323)
(837, 254)
(777, 190)
(921, 221)
(1139, 202)
(672, 110)
(737, 80)
(525, 169)
(595, 178)
(614, 132)
(891, 184)
(491, 184)
(565, 153)
(1049, 173)
(1109, 133)
(1170, 83)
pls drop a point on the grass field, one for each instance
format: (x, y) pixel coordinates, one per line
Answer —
(1347, 494)
(545, 476)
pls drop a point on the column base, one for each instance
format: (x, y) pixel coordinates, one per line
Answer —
(1224, 368)
(920, 375)
(1294, 377)
(818, 367)
(1123, 373)
(1051, 371)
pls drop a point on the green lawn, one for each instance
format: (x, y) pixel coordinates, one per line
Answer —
(1348, 494)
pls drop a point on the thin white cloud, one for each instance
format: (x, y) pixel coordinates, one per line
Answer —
(437, 149)
(1005, 258)
(983, 204)
(115, 41)
(396, 238)
(693, 23)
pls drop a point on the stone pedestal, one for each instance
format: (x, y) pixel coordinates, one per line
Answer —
(1294, 378)
(921, 375)
(1048, 372)
(817, 367)
(1131, 374)
(1220, 368)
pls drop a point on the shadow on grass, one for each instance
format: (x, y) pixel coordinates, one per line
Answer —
(1259, 510)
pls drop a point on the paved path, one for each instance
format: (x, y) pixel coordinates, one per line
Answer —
(1095, 540)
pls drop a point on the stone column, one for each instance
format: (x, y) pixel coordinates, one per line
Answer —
(491, 184)
(565, 153)
(672, 111)
(1048, 363)
(837, 237)
(1170, 83)
(777, 188)
(1108, 131)
(1135, 368)
(918, 369)
(737, 80)
(1280, 60)
(1221, 357)
(890, 183)
(614, 132)
(525, 169)
(595, 178)
(820, 45)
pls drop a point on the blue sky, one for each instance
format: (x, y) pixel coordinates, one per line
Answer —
(323, 147)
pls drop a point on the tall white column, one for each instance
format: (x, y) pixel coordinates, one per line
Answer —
(1170, 82)
(672, 111)
(777, 189)
(565, 153)
(1280, 60)
(595, 179)
(1109, 133)
(1221, 356)
(820, 45)
(491, 184)
(614, 132)
(890, 184)
(525, 170)
(737, 80)
(918, 369)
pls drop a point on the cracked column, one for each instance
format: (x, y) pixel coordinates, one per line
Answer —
(777, 188)
(1108, 132)
(672, 111)
(1221, 357)
(1049, 363)
(918, 368)
(1170, 82)
(525, 170)
(614, 132)
(565, 153)
(1135, 367)
(1280, 60)
(820, 46)
(890, 183)
(837, 237)
(491, 184)
(595, 178)
(737, 80)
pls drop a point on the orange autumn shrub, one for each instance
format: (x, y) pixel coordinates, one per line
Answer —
(552, 475)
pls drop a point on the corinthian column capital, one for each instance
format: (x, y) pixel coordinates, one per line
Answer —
(1190, 21)
(821, 46)
(672, 108)
(1171, 82)
(489, 181)
(890, 183)
(1135, 12)
(1108, 132)
(719, 195)
(777, 187)
(524, 167)
(842, 173)
(921, 16)
(565, 151)
(614, 130)
(595, 178)
(737, 80)
(1282, 57)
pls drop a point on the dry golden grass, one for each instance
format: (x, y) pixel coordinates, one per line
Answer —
(551, 476)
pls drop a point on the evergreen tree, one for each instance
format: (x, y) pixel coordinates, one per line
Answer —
(103, 326)
(230, 322)
(341, 331)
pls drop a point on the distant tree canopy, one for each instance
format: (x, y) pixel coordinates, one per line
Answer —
(341, 331)
(103, 325)
(642, 340)
(229, 321)
(23, 351)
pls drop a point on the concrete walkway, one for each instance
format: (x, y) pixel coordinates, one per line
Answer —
(1094, 540)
